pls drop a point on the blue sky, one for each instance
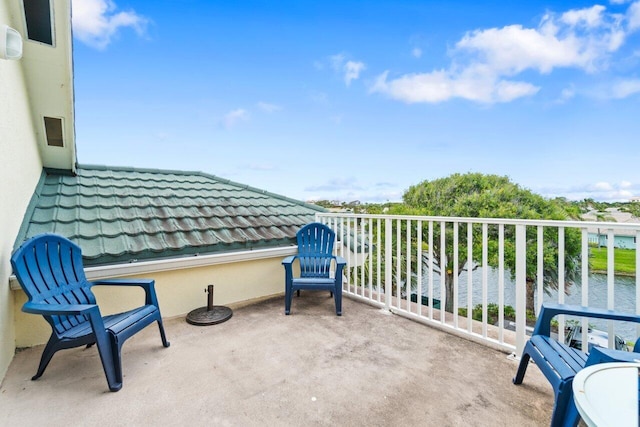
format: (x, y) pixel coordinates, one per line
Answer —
(358, 100)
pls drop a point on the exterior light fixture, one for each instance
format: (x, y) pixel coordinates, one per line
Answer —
(10, 43)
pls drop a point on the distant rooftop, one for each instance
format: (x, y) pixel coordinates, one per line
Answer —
(611, 215)
(120, 215)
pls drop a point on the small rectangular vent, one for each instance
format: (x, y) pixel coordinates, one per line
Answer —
(53, 128)
(37, 14)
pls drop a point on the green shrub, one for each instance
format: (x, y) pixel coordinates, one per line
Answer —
(492, 313)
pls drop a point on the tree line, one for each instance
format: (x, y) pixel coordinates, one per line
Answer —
(477, 195)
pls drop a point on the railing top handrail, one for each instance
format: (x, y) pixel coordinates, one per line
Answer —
(505, 221)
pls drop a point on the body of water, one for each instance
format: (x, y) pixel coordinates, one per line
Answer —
(624, 295)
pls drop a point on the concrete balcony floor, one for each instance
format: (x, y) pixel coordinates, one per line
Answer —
(264, 368)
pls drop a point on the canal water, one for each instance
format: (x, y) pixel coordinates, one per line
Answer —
(624, 295)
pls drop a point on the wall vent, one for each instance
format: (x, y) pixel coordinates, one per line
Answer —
(37, 14)
(53, 128)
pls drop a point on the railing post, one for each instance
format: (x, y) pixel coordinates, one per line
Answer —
(521, 287)
(585, 287)
(610, 282)
(388, 261)
(637, 249)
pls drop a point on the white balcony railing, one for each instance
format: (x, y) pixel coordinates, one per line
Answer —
(395, 261)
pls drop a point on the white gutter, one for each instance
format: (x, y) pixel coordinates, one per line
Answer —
(150, 267)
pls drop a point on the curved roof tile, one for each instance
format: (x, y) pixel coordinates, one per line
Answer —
(121, 215)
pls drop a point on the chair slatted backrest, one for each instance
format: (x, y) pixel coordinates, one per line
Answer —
(315, 250)
(49, 269)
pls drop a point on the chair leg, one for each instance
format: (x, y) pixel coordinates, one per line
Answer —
(165, 343)
(110, 357)
(572, 416)
(565, 413)
(116, 348)
(48, 352)
(288, 295)
(522, 367)
(338, 299)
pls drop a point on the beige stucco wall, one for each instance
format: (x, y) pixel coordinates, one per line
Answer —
(179, 292)
(48, 71)
(19, 174)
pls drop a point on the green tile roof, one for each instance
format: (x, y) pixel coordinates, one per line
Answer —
(121, 215)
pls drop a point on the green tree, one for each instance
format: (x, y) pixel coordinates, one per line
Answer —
(633, 208)
(477, 195)
(322, 203)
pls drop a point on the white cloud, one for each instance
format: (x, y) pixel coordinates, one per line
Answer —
(416, 52)
(633, 16)
(336, 184)
(337, 61)
(605, 191)
(625, 88)
(615, 89)
(232, 118)
(513, 49)
(350, 69)
(603, 186)
(349, 188)
(566, 94)
(427, 87)
(590, 17)
(268, 108)
(96, 22)
(485, 62)
(439, 86)
(506, 91)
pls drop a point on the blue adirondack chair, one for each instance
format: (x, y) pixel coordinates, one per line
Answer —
(559, 363)
(49, 269)
(315, 258)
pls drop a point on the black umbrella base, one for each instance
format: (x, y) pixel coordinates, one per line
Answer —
(203, 316)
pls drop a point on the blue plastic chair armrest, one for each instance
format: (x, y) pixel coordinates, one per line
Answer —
(340, 261)
(606, 355)
(289, 260)
(59, 309)
(146, 284)
(549, 311)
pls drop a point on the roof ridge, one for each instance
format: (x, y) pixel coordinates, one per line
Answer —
(202, 174)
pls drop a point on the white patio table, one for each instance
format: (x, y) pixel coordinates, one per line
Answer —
(606, 394)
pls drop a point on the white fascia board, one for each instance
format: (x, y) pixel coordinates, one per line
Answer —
(150, 267)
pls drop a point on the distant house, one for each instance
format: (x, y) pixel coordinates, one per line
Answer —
(620, 241)
(184, 229)
(623, 239)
